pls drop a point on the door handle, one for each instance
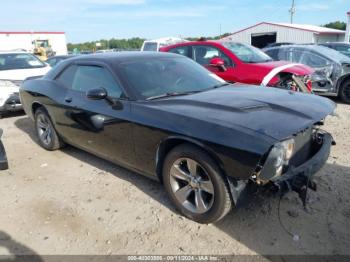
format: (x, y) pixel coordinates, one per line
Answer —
(68, 99)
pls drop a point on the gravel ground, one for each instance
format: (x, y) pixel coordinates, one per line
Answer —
(70, 202)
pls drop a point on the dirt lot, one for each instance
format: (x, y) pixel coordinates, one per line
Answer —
(70, 202)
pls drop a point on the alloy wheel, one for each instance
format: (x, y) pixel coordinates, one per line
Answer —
(44, 129)
(191, 185)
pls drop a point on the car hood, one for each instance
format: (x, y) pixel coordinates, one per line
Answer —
(271, 112)
(297, 69)
(21, 74)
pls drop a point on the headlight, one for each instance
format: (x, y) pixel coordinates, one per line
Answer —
(288, 148)
(278, 158)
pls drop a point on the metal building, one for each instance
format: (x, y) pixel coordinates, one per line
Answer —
(265, 33)
(27, 41)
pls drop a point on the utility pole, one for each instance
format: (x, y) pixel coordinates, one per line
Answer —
(347, 34)
(292, 11)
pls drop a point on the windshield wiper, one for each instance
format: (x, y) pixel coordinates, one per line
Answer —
(172, 94)
(220, 85)
(185, 93)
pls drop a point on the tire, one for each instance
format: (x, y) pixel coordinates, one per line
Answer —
(46, 133)
(344, 92)
(192, 194)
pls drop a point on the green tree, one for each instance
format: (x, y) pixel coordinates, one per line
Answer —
(123, 44)
(336, 25)
(132, 43)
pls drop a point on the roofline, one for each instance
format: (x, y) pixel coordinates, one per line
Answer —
(269, 23)
(30, 33)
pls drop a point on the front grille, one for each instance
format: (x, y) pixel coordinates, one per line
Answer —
(13, 99)
(303, 147)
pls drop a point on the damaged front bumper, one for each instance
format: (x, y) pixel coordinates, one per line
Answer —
(296, 178)
(299, 178)
(12, 104)
(3, 158)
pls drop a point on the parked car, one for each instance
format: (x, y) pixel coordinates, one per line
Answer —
(155, 44)
(237, 62)
(14, 68)
(332, 69)
(165, 116)
(3, 158)
(341, 47)
(54, 60)
(278, 44)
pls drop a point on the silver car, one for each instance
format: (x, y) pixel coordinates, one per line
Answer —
(332, 69)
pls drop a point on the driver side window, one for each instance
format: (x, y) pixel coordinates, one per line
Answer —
(90, 77)
(203, 55)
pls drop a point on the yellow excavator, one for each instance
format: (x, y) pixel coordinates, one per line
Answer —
(42, 49)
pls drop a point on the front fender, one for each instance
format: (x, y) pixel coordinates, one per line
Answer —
(170, 142)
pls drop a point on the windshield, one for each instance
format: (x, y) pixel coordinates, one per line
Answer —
(150, 78)
(19, 61)
(247, 53)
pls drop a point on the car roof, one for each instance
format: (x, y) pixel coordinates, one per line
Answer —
(110, 58)
(200, 42)
(119, 57)
(61, 56)
(335, 43)
(325, 51)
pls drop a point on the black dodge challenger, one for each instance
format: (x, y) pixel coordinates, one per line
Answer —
(166, 117)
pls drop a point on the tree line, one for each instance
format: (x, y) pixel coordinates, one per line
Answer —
(132, 43)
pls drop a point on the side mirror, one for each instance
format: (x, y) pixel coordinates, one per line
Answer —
(218, 62)
(97, 94)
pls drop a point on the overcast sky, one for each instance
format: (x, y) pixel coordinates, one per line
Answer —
(88, 20)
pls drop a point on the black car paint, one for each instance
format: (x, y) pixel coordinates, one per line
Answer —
(237, 125)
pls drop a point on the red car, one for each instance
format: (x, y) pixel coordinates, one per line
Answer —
(237, 62)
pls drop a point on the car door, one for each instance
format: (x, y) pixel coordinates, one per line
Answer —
(203, 54)
(101, 127)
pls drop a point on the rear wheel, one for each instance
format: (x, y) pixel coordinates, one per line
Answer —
(46, 133)
(195, 184)
(344, 91)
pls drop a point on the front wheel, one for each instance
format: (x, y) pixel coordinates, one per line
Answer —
(344, 91)
(196, 185)
(46, 133)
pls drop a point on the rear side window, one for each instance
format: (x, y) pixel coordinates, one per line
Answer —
(182, 50)
(91, 77)
(67, 76)
(273, 53)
